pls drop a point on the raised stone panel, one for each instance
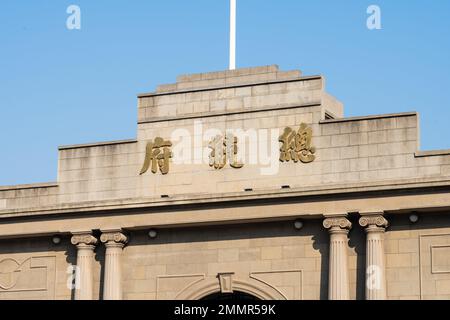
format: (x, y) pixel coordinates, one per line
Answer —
(440, 259)
(435, 266)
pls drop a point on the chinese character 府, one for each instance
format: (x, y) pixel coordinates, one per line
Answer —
(157, 154)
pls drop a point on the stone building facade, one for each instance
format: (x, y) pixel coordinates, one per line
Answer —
(301, 203)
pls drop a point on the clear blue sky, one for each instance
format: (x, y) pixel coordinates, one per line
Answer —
(60, 87)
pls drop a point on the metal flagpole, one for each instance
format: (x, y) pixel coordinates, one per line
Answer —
(232, 34)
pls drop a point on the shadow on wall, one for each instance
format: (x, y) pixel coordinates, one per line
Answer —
(357, 244)
(100, 258)
(318, 241)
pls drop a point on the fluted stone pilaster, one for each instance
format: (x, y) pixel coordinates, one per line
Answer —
(375, 225)
(84, 281)
(114, 243)
(338, 280)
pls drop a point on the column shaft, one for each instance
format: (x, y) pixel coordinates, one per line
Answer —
(114, 242)
(338, 274)
(338, 280)
(85, 276)
(113, 273)
(84, 281)
(375, 257)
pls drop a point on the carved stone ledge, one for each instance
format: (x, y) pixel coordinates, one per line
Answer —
(84, 239)
(337, 222)
(114, 238)
(373, 221)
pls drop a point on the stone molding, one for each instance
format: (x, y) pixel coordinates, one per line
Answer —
(335, 189)
(230, 86)
(96, 144)
(372, 117)
(254, 287)
(209, 114)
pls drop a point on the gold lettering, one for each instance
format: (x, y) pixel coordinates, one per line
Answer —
(157, 155)
(296, 145)
(223, 151)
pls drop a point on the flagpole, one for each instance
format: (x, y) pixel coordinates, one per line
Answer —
(232, 34)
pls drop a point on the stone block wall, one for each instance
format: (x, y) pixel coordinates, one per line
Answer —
(94, 173)
(294, 262)
(302, 91)
(418, 258)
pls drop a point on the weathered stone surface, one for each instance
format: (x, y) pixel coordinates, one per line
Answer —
(236, 225)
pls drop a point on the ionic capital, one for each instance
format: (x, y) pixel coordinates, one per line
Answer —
(114, 238)
(373, 221)
(339, 223)
(85, 239)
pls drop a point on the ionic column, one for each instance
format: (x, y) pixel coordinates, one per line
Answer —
(338, 281)
(84, 276)
(114, 243)
(375, 225)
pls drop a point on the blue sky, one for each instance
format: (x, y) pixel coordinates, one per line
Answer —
(60, 87)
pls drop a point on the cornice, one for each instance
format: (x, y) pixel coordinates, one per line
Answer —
(139, 203)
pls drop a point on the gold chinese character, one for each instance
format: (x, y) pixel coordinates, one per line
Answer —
(156, 157)
(223, 150)
(296, 146)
